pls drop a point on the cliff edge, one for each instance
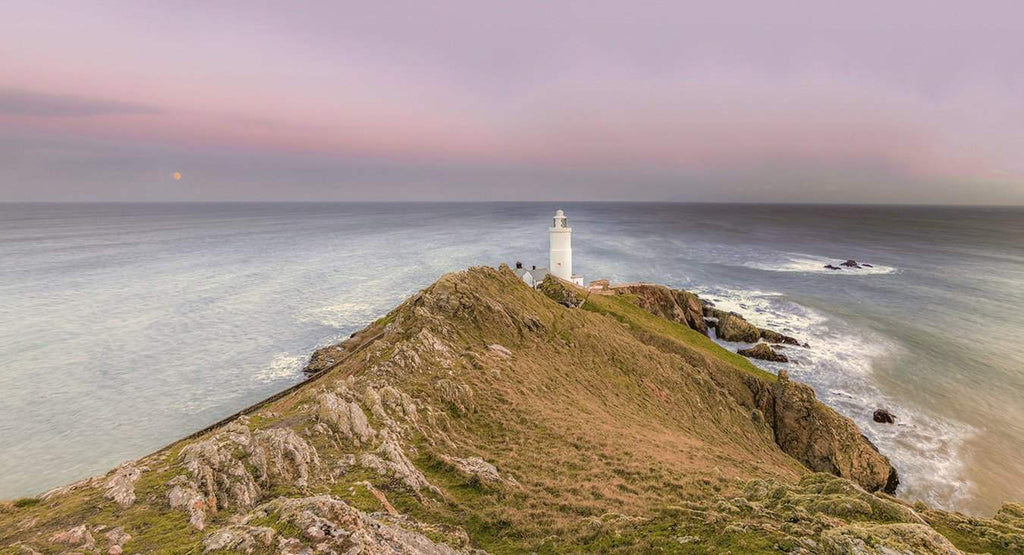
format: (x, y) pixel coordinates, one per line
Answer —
(483, 416)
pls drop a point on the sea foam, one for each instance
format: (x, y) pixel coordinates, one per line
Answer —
(927, 451)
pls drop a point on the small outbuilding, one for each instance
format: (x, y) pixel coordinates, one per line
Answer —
(532, 276)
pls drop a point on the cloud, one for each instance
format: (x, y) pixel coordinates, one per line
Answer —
(36, 104)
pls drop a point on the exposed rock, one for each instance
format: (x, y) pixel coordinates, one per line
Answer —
(672, 304)
(831, 267)
(344, 417)
(78, 536)
(331, 525)
(763, 351)
(832, 444)
(217, 472)
(458, 395)
(887, 539)
(883, 416)
(240, 538)
(398, 404)
(499, 350)
(281, 456)
(476, 466)
(390, 459)
(850, 264)
(561, 293)
(120, 485)
(776, 337)
(218, 469)
(732, 327)
(118, 536)
(183, 495)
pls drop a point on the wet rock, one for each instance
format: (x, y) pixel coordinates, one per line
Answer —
(763, 351)
(850, 264)
(732, 327)
(776, 337)
(883, 416)
(867, 266)
(78, 537)
(240, 538)
(831, 267)
(120, 485)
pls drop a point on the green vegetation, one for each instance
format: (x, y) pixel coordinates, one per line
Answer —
(490, 416)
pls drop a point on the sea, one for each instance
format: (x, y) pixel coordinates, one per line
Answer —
(126, 326)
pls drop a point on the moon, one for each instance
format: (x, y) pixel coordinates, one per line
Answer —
(177, 176)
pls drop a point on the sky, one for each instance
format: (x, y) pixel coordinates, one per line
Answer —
(783, 101)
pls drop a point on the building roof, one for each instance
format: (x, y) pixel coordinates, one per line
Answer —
(537, 273)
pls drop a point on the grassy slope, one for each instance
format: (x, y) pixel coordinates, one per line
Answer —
(606, 417)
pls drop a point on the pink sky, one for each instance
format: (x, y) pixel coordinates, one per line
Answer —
(785, 101)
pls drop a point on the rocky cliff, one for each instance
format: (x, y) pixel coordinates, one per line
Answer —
(483, 416)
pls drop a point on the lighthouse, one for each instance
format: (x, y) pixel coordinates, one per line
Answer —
(560, 235)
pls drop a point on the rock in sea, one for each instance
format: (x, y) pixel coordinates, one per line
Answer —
(884, 416)
(763, 351)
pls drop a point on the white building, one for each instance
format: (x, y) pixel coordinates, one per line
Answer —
(560, 235)
(532, 276)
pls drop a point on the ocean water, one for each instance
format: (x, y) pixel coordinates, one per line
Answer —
(125, 326)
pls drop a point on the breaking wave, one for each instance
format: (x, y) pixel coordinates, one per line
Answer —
(816, 265)
(927, 451)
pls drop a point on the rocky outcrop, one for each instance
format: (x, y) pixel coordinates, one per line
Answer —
(563, 294)
(78, 537)
(120, 485)
(480, 469)
(328, 524)
(218, 469)
(777, 338)
(672, 304)
(763, 351)
(731, 327)
(240, 538)
(883, 416)
(390, 459)
(344, 417)
(825, 441)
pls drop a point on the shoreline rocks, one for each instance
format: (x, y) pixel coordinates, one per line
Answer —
(763, 351)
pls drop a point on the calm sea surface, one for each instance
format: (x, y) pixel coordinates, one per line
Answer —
(125, 326)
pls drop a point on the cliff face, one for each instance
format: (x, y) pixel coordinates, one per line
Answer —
(482, 415)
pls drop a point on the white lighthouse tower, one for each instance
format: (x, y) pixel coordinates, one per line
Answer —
(561, 249)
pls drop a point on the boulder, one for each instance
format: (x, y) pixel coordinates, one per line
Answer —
(850, 264)
(732, 327)
(776, 337)
(883, 416)
(763, 351)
